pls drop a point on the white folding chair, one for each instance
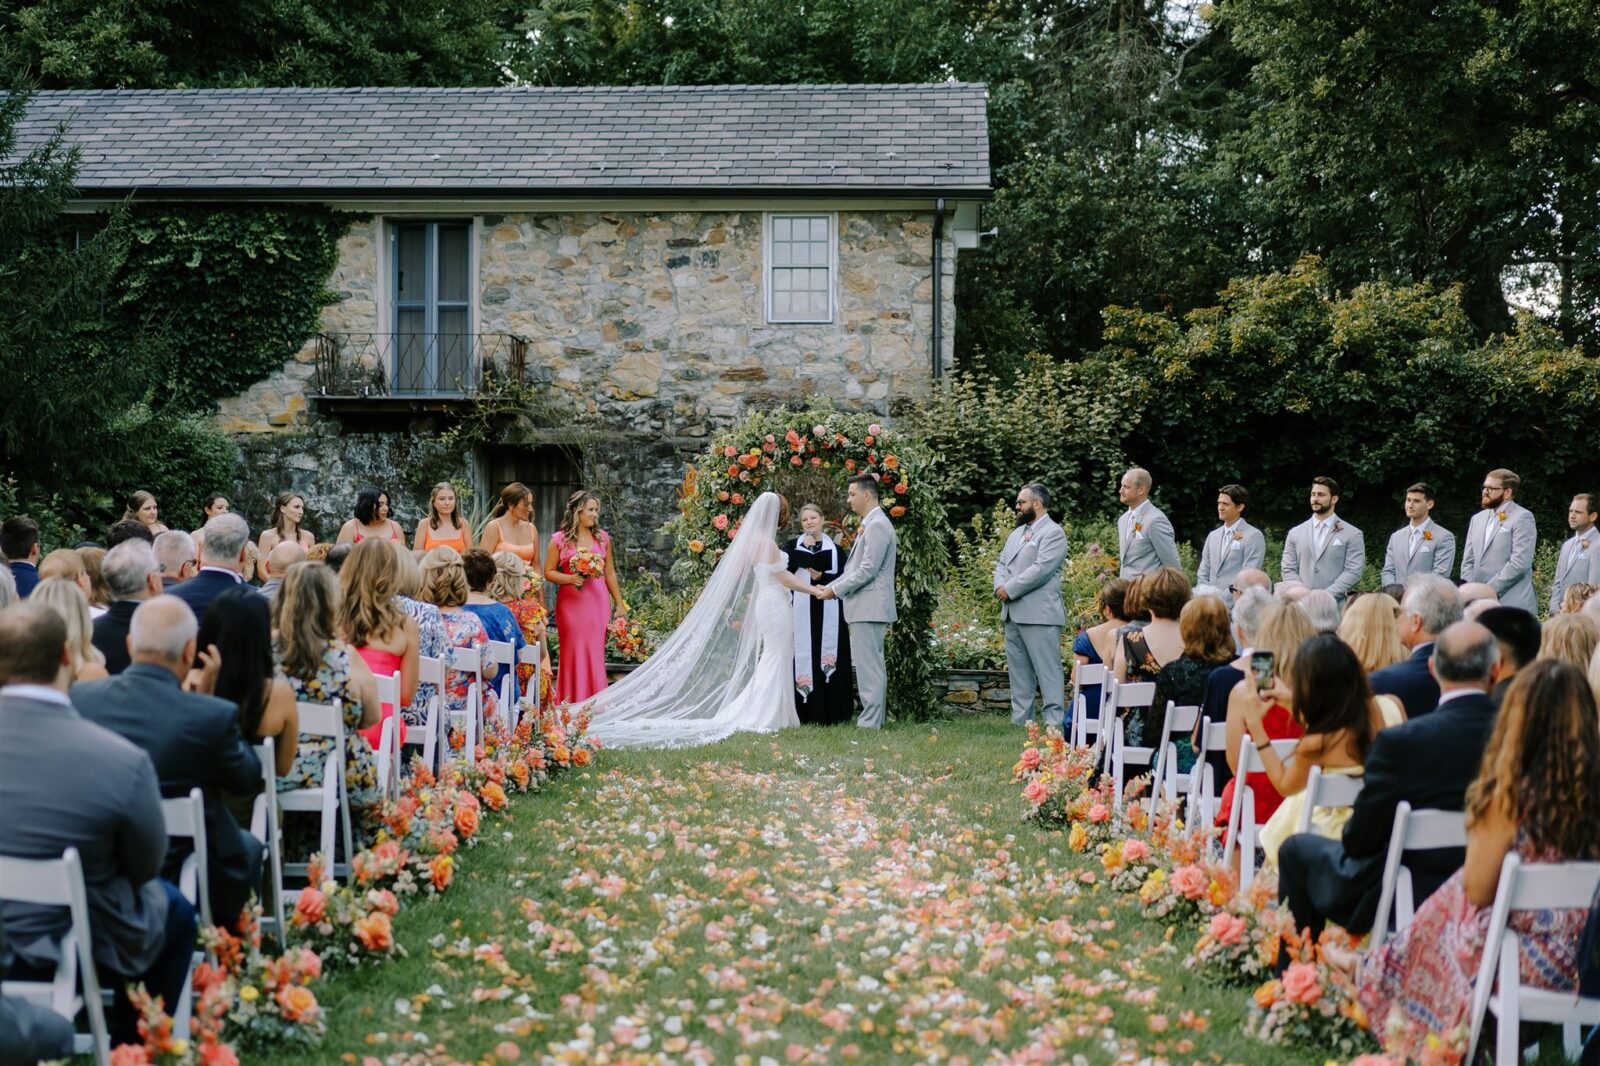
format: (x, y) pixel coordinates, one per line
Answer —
(503, 654)
(1423, 830)
(331, 800)
(264, 827)
(59, 883)
(1200, 811)
(1529, 887)
(186, 819)
(467, 661)
(1242, 828)
(1129, 696)
(387, 754)
(431, 672)
(1085, 728)
(533, 655)
(1327, 790)
(1167, 782)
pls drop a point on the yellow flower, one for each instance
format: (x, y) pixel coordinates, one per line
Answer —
(1078, 839)
(249, 993)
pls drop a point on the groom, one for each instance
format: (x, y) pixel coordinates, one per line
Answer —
(866, 591)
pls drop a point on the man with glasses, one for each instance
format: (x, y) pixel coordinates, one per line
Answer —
(1500, 541)
(1232, 547)
(1579, 561)
(1420, 546)
(1430, 605)
(1027, 582)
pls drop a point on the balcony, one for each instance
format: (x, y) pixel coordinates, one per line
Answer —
(386, 372)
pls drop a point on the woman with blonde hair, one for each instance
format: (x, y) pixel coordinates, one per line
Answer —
(65, 597)
(443, 526)
(584, 605)
(379, 631)
(431, 641)
(99, 594)
(513, 587)
(1575, 596)
(1371, 626)
(142, 509)
(1570, 638)
(1284, 630)
(444, 584)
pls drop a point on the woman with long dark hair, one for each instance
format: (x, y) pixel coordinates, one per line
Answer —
(288, 511)
(371, 518)
(580, 562)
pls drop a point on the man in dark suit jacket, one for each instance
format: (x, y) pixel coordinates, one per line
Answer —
(19, 544)
(67, 783)
(1430, 604)
(1428, 762)
(193, 740)
(222, 563)
(131, 576)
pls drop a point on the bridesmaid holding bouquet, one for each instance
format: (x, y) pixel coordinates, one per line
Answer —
(580, 564)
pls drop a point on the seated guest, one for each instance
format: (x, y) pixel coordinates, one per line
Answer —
(68, 783)
(1097, 644)
(318, 553)
(193, 739)
(1323, 610)
(379, 631)
(513, 587)
(1395, 592)
(1575, 596)
(1532, 798)
(66, 599)
(175, 555)
(336, 555)
(1473, 592)
(1331, 700)
(118, 532)
(431, 640)
(1428, 762)
(1207, 644)
(29, 1032)
(1517, 632)
(1371, 627)
(19, 543)
(223, 563)
(1250, 578)
(1430, 606)
(1284, 630)
(8, 588)
(498, 621)
(1249, 609)
(131, 578)
(238, 634)
(283, 555)
(1571, 638)
(99, 596)
(1141, 653)
(66, 564)
(321, 667)
(444, 584)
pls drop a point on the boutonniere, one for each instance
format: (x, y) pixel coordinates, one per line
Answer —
(1138, 527)
(1583, 544)
(1238, 534)
(1027, 538)
(1427, 534)
(1500, 515)
(1337, 526)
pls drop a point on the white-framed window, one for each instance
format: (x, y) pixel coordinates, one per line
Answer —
(802, 261)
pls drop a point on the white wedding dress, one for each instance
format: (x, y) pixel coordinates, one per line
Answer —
(729, 668)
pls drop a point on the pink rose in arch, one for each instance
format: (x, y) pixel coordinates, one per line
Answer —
(875, 429)
(730, 451)
(720, 522)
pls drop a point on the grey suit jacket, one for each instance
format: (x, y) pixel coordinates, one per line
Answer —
(1577, 564)
(67, 783)
(1435, 556)
(866, 588)
(1337, 568)
(1030, 569)
(1506, 564)
(1148, 548)
(1223, 556)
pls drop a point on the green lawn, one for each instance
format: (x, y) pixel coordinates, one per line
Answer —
(822, 895)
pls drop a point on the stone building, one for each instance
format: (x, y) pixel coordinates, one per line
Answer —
(648, 263)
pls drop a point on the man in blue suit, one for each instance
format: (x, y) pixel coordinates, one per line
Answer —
(222, 564)
(1430, 606)
(19, 543)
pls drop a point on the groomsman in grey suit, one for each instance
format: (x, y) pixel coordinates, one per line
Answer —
(1579, 561)
(1027, 582)
(1500, 542)
(1324, 552)
(866, 595)
(1419, 546)
(1233, 546)
(1144, 535)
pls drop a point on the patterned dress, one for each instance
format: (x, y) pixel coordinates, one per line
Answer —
(431, 644)
(1428, 970)
(463, 629)
(332, 682)
(530, 615)
(501, 625)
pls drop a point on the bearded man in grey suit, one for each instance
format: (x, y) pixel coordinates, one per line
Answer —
(1420, 546)
(1027, 582)
(1144, 536)
(1500, 542)
(1579, 560)
(1324, 552)
(1233, 546)
(866, 595)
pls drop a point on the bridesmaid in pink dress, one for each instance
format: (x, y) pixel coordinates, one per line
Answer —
(583, 605)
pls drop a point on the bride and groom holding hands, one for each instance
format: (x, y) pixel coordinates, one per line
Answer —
(731, 666)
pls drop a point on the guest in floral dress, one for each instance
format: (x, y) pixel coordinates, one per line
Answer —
(498, 621)
(1537, 795)
(431, 640)
(444, 584)
(321, 668)
(512, 587)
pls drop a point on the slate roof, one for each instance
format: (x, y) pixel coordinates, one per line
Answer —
(724, 139)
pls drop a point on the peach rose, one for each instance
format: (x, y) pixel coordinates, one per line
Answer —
(1134, 850)
(214, 1054)
(381, 899)
(1036, 792)
(310, 908)
(720, 522)
(1030, 759)
(129, 1055)
(1300, 983)
(310, 965)
(1099, 813)
(580, 756)
(1267, 994)
(1190, 882)
(375, 931)
(298, 1003)
(493, 796)
(466, 822)
(1226, 928)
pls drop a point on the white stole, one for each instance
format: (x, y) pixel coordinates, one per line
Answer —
(803, 681)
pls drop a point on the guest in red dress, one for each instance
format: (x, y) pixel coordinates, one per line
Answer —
(584, 604)
(1283, 630)
(371, 620)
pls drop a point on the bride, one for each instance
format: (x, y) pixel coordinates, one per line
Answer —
(729, 667)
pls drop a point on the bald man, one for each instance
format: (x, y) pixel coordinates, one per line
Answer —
(277, 563)
(1144, 535)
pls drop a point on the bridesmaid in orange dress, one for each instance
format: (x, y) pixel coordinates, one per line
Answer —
(443, 527)
(583, 605)
(510, 527)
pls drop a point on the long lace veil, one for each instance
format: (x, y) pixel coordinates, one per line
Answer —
(673, 698)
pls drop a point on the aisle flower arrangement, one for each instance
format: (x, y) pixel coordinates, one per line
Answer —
(1054, 778)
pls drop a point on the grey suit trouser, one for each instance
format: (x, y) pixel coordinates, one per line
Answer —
(1033, 659)
(872, 675)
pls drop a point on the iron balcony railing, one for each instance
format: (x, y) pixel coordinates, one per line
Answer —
(415, 365)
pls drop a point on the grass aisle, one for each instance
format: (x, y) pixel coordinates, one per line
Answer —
(823, 895)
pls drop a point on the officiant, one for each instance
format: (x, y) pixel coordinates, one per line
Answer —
(822, 687)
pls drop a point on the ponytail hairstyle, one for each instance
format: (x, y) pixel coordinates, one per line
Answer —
(569, 519)
(510, 496)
